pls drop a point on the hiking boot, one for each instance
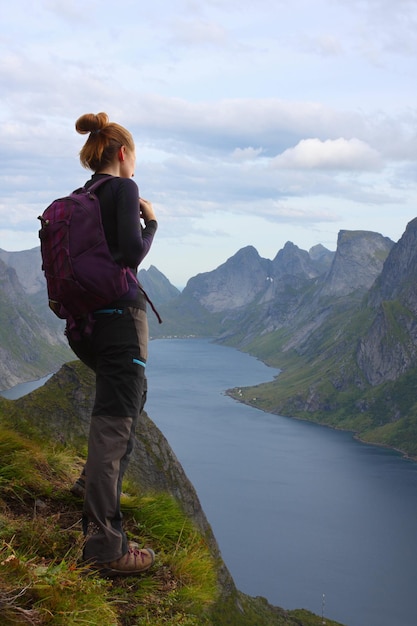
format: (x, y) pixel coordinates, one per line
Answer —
(135, 561)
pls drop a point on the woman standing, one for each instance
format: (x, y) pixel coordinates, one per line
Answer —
(116, 350)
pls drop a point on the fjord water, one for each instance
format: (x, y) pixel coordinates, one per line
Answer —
(24, 388)
(304, 515)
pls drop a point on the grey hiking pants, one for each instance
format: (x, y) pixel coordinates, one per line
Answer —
(117, 352)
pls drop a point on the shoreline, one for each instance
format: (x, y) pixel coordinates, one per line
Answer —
(355, 435)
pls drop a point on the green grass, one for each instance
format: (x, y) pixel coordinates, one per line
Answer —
(41, 547)
(324, 383)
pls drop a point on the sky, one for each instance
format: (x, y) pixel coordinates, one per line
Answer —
(255, 123)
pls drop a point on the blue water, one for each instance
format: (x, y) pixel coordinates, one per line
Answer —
(24, 388)
(300, 511)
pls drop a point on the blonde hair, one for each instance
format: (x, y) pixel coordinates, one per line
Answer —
(105, 140)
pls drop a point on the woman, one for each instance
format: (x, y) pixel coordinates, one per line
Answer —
(116, 350)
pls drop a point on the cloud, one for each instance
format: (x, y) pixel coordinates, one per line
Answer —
(338, 154)
(272, 125)
(283, 212)
(228, 124)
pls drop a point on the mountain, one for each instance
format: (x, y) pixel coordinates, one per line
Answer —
(246, 279)
(157, 286)
(357, 263)
(322, 257)
(389, 348)
(357, 368)
(28, 347)
(242, 297)
(28, 267)
(248, 296)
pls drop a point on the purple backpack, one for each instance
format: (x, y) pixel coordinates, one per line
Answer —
(81, 274)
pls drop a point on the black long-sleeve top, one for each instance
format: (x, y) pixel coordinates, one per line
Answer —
(128, 241)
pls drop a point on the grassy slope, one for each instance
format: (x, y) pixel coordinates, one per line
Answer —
(42, 581)
(324, 384)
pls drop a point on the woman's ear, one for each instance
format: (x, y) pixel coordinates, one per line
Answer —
(121, 154)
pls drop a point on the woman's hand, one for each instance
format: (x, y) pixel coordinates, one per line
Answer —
(147, 212)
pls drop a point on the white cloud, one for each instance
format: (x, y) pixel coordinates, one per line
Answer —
(283, 212)
(337, 154)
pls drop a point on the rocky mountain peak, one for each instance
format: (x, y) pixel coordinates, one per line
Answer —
(358, 261)
(293, 261)
(157, 286)
(28, 267)
(233, 284)
(322, 257)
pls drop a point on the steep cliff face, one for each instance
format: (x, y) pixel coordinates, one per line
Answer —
(356, 264)
(389, 348)
(358, 261)
(398, 277)
(28, 349)
(291, 262)
(28, 267)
